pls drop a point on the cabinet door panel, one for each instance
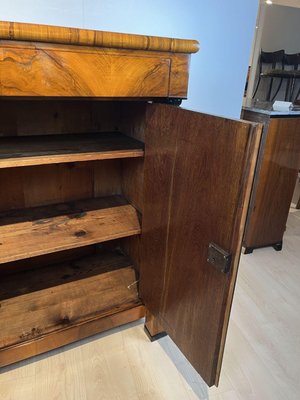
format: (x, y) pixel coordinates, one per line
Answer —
(198, 175)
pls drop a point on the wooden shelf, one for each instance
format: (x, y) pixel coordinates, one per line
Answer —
(23, 151)
(37, 303)
(42, 230)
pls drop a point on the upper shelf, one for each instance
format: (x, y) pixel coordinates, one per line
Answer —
(87, 37)
(53, 149)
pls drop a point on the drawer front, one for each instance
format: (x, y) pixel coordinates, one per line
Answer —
(47, 71)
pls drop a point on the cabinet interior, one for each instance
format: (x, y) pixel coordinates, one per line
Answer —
(71, 205)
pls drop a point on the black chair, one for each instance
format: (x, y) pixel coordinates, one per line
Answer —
(298, 93)
(269, 63)
(295, 61)
(291, 73)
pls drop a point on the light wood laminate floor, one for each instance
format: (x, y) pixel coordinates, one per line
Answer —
(261, 361)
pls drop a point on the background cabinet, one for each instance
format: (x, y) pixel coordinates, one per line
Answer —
(275, 178)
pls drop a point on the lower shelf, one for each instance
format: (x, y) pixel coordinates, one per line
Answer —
(58, 304)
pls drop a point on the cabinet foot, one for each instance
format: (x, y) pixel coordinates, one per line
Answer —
(278, 246)
(248, 250)
(153, 338)
(152, 328)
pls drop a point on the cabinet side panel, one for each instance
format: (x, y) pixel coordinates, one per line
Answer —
(132, 123)
(179, 76)
(275, 182)
(160, 152)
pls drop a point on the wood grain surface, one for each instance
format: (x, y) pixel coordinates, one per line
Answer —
(274, 183)
(62, 272)
(37, 117)
(64, 226)
(198, 175)
(261, 359)
(58, 183)
(87, 37)
(39, 150)
(70, 334)
(65, 302)
(41, 70)
(59, 297)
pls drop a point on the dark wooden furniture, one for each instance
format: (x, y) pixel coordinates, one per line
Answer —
(275, 178)
(111, 208)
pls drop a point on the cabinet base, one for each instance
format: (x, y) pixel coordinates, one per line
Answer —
(154, 337)
(153, 327)
(63, 337)
(276, 246)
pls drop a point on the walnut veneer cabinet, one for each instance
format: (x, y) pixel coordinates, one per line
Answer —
(275, 176)
(114, 205)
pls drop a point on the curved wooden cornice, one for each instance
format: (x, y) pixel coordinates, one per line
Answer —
(86, 37)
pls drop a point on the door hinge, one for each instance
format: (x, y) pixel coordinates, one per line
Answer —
(219, 258)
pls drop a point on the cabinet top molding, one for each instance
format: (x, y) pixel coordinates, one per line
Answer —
(87, 37)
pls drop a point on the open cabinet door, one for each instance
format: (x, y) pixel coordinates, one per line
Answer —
(198, 175)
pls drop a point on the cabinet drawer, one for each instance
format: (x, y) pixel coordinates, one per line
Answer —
(41, 70)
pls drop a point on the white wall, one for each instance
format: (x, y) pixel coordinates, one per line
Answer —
(289, 3)
(224, 28)
(281, 29)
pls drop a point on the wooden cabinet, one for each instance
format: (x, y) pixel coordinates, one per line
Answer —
(113, 206)
(275, 178)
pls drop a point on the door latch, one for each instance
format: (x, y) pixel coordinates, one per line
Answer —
(219, 258)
